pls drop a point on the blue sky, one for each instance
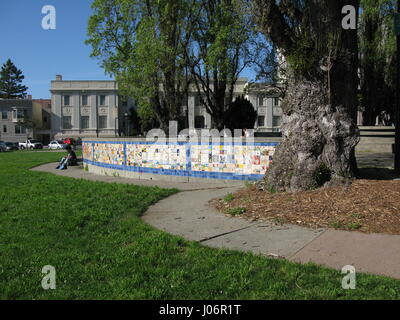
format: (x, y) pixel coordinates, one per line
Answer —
(41, 54)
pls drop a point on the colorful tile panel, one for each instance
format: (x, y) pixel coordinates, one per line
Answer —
(156, 156)
(87, 151)
(109, 153)
(200, 159)
(236, 159)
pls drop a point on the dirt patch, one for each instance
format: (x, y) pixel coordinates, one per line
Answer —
(369, 206)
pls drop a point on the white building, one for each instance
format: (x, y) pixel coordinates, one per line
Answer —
(267, 102)
(86, 108)
(94, 108)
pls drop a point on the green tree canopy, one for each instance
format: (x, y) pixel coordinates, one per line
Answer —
(10, 81)
(142, 43)
(378, 58)
(158, 49)
(225, 42)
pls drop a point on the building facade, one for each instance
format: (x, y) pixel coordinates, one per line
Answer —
(94, 108)
(12, 113)
(86, 108)
(42, 112)
(264, 98)
(25, 118)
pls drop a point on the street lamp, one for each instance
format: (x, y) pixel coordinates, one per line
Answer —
(126, 124)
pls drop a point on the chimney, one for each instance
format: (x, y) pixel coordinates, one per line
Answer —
(59, 77)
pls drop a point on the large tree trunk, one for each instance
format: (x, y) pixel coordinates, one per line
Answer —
(320, 106)
(318, 140)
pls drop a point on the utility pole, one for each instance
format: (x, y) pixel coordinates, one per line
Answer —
(397, 110)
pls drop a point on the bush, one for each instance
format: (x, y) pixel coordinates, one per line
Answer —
(240, 114)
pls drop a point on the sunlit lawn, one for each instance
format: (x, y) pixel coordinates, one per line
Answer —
(92, 234)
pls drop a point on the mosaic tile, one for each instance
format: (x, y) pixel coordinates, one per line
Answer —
(201, 160)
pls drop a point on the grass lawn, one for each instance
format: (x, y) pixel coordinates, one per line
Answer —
(92, 234)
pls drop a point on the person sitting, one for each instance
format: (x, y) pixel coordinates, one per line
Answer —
(69, 160)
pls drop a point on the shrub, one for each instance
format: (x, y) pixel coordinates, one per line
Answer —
(240, 114)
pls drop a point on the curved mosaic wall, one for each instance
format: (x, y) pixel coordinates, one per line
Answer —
(237, 161)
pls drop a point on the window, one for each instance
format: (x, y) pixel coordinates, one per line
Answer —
(199, 122)
(276, 121)
(66, 100)
(4, 115)
(20, 130)
(197, 100)
(84, 122)
(85, 100)
(102, 100)
(19, 114)
(261, 121)
(4, 129)
(67, 122)
(102, 122)
(276, 101)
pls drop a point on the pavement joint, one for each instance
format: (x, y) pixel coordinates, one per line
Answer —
(305, 245)
(226, 233)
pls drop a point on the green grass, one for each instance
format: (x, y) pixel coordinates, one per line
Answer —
(336, 225)
(236, 211)
(354, 226)
(229, 197)
(91, 232)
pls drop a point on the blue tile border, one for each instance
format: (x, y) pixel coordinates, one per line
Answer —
(171, 172)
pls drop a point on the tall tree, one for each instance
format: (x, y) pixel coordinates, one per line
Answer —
(319, 107)
(378, 59)
(10, 81)
(223, 45)
(142, 43)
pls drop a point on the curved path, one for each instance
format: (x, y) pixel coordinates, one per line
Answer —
(189, 215)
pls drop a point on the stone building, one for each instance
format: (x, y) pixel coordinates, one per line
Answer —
(43, 132)
(94, 108)
(25, 118)
(267, 102)
(86, 108)
(264, 98)
(12, 112)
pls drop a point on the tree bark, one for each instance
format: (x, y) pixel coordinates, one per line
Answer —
(320, 106)
(318, 140)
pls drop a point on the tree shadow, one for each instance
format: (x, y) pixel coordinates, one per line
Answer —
(373, 173)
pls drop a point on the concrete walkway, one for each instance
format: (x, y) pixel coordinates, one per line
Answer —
(189, 215)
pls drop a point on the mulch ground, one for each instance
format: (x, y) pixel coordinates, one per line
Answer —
(369, 206)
